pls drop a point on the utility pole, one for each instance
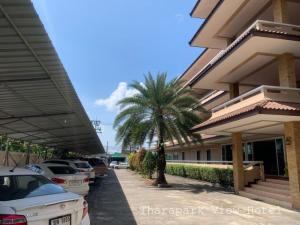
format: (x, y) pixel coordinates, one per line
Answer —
(97, 126)
(107, 148)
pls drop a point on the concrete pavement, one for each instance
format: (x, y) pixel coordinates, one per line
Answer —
(124, 198)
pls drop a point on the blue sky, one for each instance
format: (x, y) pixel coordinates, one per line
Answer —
(104, 45)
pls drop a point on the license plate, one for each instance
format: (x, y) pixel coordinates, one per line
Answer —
(75, 182)
(63, 220)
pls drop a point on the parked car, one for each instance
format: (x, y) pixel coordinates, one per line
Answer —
(118, 165)
(82, 166)
(98, 165)
(121, 165)
(113, 164)
(63, 175)
(28, 198)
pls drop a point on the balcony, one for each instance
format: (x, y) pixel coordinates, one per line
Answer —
(251, 60)
(225, 20)
(262, 110)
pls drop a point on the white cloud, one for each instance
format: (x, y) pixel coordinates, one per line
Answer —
(121, 92)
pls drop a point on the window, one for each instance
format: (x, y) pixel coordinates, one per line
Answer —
(62, 170)
(35, 169)
(182, 156)
(57, 162)
(95, 162)
(84, 165)
(248, 151)
(208, 155)
(227, 153)
(26, 186)
(198, 155)
(175, 156)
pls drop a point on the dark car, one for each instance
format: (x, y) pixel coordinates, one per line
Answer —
(98, 165)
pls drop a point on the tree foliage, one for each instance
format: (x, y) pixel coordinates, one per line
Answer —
(149, 164)
(160, 110)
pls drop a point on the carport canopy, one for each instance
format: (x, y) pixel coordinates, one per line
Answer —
(38, 101)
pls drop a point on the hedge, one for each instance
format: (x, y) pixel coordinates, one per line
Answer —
(223, 176)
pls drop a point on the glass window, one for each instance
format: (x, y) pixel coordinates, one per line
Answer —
(198, 155)
(227, 152)
(280, 157)
(208, 155)
(57, 162)
(84, 165)
(62, 170)
(26, 186)
(249, 151)
(35, 169)
(95, 162)
(182, 156)
(175, 156)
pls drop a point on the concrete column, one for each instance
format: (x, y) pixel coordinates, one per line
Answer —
(287, 70)
(280, 11)
(234, 90)
(237, 156)
(292, 146)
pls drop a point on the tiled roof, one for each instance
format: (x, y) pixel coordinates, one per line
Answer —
(266, 105)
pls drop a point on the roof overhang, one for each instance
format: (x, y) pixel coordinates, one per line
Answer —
(196, 66)
(38, 102)
(203, 8)
(230, 17)
(260, 111)
(256, 48)
(225, 21)
(267, 122)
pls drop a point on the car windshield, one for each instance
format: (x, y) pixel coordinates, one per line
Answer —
(57, 162)
(95, 162)
(26, 186)
(62, 170)
(83, 165)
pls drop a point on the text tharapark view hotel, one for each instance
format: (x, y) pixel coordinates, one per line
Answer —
(249, 78)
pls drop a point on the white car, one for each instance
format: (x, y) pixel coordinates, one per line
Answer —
(113, 164)
(63, 175)
(83, 166)
(28, 198)
(121, 165)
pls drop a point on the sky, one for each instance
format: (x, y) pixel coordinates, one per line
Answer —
(106, 44)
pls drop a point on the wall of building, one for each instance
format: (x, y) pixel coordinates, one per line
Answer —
(191, 153)
(19, 158)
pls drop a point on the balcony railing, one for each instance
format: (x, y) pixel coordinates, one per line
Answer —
(263, 92)
(259, 25)
(264, 26)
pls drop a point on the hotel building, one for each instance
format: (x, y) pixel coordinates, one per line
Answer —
(248, 77)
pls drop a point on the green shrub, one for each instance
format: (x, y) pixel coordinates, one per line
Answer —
(135, 160)
(209, 174)
(139, 160)
(131, 159)
(149, 164)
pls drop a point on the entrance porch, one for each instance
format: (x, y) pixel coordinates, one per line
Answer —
(264, 112)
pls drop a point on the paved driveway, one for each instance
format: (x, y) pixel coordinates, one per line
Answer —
(123, 198)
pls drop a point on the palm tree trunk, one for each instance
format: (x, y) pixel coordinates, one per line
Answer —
(161, 165)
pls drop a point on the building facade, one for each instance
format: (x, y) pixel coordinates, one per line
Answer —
(249, 79)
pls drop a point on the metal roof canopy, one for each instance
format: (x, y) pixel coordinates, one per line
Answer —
(37, 100)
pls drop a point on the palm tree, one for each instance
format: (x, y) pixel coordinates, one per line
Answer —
(160, 110)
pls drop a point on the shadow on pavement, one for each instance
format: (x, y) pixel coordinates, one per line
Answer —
(108, 204)
(198, 188)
